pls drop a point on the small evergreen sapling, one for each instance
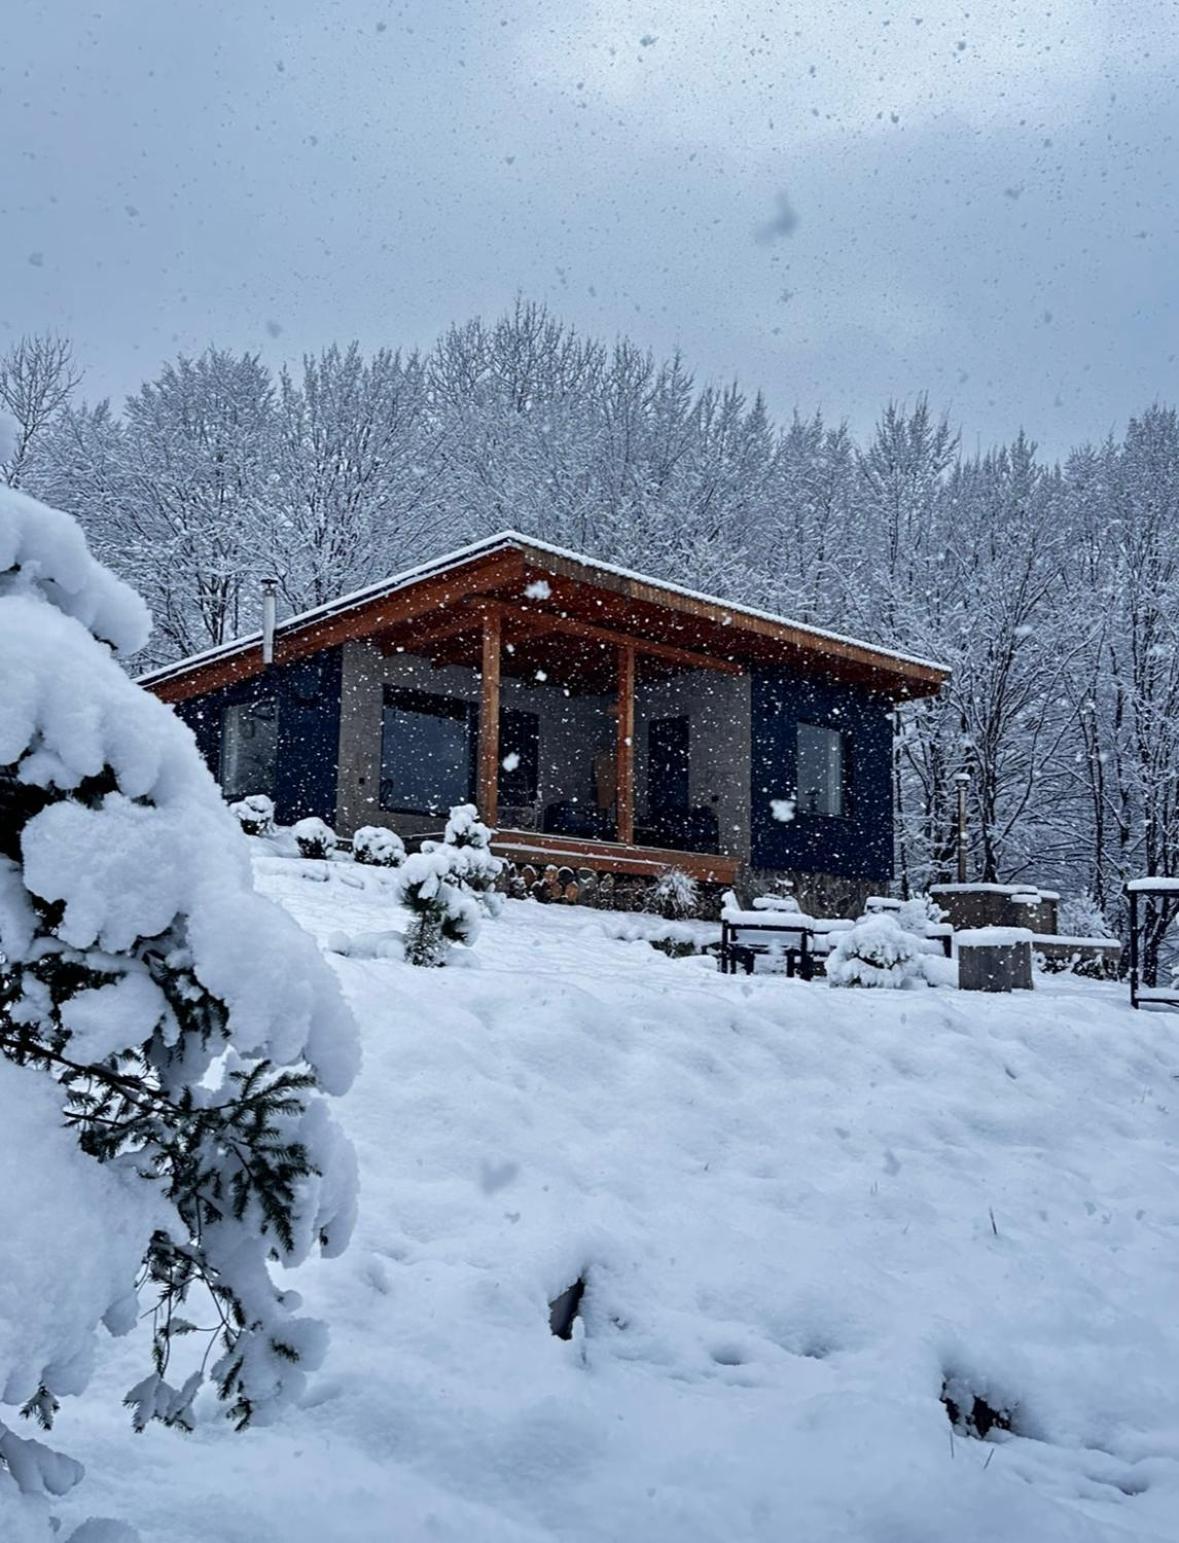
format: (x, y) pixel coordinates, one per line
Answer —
(442, 911)
(474, 866)
(447, 885)
(180, 1025)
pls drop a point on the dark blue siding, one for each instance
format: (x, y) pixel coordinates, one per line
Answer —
(856, 846)
(308, 731)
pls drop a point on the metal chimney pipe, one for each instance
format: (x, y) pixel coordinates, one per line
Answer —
(269, 618)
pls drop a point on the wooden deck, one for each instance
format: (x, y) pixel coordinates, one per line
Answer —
(541, 849)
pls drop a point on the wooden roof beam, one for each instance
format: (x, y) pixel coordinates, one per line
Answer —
(539, 622)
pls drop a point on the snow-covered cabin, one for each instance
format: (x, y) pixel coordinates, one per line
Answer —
(601, 719)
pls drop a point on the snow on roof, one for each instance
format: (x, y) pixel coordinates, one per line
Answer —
(505, 540)
(1159, 883)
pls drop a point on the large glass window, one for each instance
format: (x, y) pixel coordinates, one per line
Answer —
(427, 752)
(822, 770)
(249, 748)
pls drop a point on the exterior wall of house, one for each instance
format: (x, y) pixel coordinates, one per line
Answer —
(718, 711)
(572, 729)
(308, 693)
(743, 732)
(857, 846)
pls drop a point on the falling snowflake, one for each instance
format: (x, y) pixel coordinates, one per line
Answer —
(538, 590)
(783, 223)
(782, 809)
(510, 761)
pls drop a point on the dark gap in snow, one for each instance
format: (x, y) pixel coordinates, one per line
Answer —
(563, 1310)
(728, 1355)
(970, 1414)
(815, 1350)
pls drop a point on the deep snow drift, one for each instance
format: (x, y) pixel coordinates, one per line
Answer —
(798, 1210)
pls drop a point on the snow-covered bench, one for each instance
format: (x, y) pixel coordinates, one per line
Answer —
(776, 933)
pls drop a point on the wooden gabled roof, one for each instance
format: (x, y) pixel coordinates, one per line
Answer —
(543, 589)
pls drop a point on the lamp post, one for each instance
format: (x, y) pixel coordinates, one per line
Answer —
(961, 782)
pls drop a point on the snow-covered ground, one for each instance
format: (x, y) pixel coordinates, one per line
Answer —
(798, 1211)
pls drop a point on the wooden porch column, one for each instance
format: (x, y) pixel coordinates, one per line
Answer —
(625, 758)
(488, 789)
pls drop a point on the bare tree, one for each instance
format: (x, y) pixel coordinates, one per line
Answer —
(37, 380)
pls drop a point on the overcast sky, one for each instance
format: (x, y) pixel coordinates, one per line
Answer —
(831, 200)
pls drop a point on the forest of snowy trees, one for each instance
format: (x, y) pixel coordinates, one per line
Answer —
(1052, 591)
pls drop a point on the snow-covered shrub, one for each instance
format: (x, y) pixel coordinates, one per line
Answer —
(473, 866)
(674, 895)
(1081, 916)
(164, 1034)
(314, 837)
(876, 952)
(255, 814)
(443, 911)
(917, 914)
(779, 896)
(377, 847)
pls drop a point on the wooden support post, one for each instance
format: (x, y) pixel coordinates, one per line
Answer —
(488, 789)
(625, 757)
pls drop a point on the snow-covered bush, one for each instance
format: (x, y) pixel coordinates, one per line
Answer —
(164, 1034)
(314, 837)
(876, 952)
(1081, 916)
(674, 895)
(779, 896)
(443, 911)
(255, 814)
(474, 865)
(378, 847)
(917, 914)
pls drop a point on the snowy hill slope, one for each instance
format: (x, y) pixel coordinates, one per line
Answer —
(798, 1211)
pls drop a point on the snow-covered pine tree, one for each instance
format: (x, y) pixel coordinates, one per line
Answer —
(442, 911)
(474, 865)
(165, 1034)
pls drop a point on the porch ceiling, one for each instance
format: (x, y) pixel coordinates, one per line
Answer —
(545, 646)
